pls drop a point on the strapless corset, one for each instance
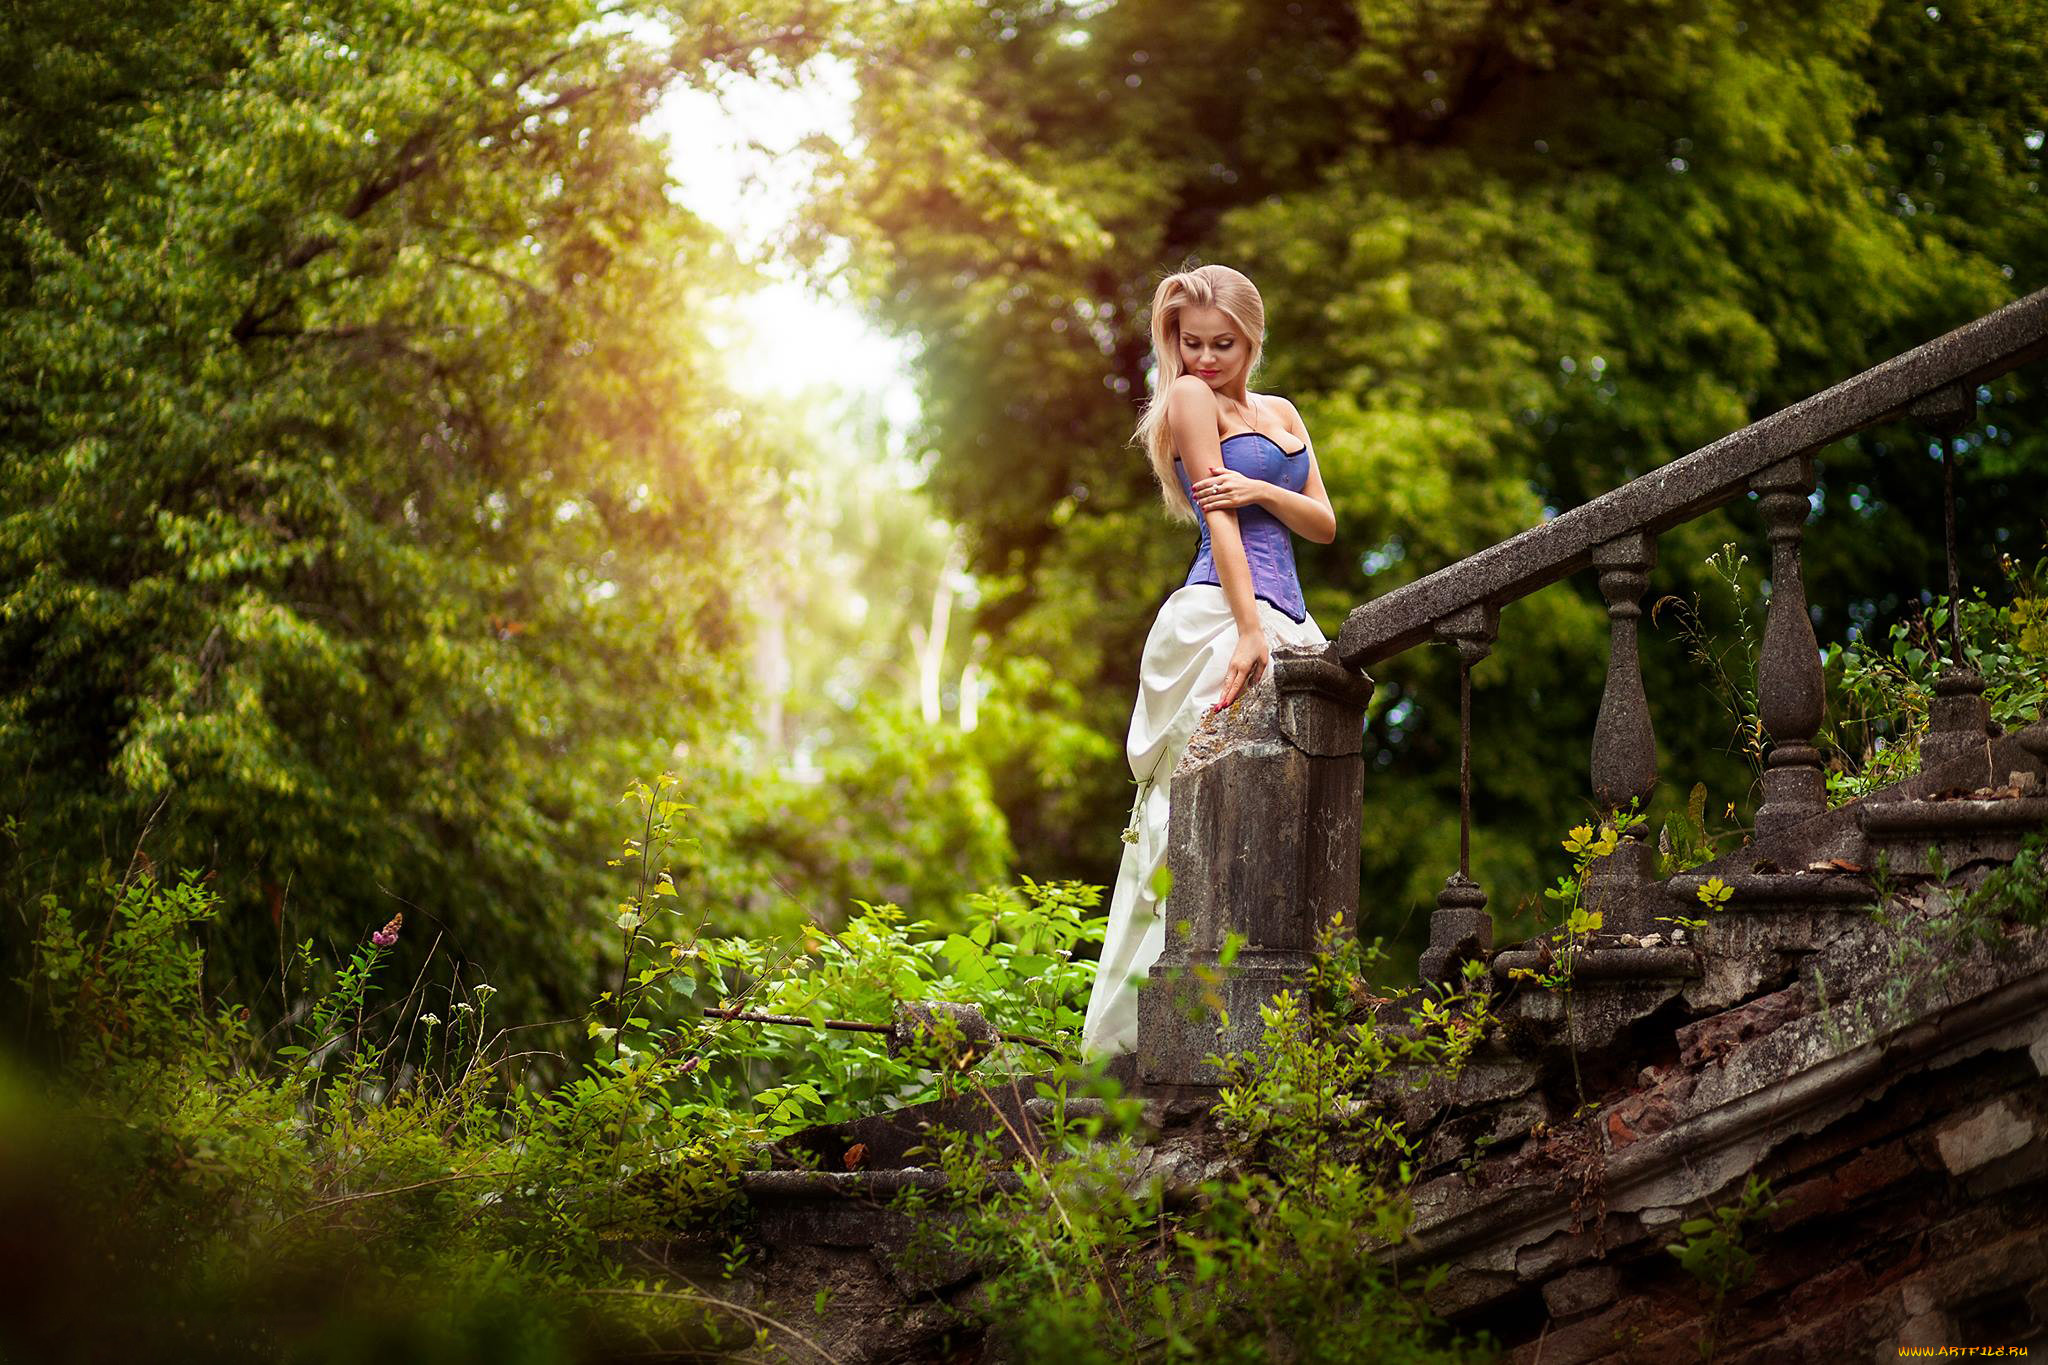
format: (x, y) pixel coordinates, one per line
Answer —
(1267, 545)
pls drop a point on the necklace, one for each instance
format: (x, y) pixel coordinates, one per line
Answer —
(1250, 419)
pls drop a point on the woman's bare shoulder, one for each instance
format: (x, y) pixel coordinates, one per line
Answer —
(1288, 412)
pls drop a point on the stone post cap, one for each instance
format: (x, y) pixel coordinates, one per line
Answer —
(1319, 671)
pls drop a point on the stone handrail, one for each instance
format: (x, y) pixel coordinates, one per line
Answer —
(1616, 535)
(1693, 484)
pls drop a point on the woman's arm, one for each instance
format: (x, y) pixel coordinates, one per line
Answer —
(1303, 513)
(1191, 417)
(1308, 513)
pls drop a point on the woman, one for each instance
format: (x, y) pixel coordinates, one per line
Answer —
(1238, 465)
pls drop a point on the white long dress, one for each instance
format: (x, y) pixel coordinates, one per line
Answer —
(1179, 678)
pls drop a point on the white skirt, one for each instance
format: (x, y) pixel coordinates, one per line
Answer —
(1179, 679)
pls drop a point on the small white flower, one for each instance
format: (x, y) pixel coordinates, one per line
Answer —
(431, 1020)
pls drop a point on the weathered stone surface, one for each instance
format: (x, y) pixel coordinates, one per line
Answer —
(1263, 849)
(1624, 762)
(1870, 1172)
(1924, 1330)
(1964, 830)
(1639, 1116)
(1959, 720)
(1463, 1290)
(886, 1140)
(1718, 1035)
(1991, 1132)
(1582, 1290)
(1901, 1146)
(1758, 950)
(1838, 834)
(1568, 1247)
(1605, 1010)
(1316, 699)
(1790, 692)
(920, 1026)
(1460, 930)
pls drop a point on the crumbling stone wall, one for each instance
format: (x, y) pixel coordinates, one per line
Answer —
(1912, 1200)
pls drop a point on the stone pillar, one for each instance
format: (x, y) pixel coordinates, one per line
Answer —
(1958, 720)
(1263, 848)
(1624, 743)
(1791, 694)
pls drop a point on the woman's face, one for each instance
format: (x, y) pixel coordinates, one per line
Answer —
(1212, 349)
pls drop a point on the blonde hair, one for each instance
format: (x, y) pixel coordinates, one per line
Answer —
(1204, 286)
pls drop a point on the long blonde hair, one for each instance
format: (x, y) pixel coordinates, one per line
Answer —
(1203, 286)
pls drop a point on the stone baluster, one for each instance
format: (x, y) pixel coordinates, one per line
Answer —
(1624, 742)
(1959, 721)
(1460, 928)
(1262, 843)
(1791, 693)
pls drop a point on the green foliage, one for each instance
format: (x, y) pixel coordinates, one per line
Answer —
(893, 808)
(680, 986)
(2017, 891)
(428, 1158)
(1932, 930)
(1727, 656)
(1015, 960)
(1713, 894)
(1686, 841)
(368, 496)
(1712, 1249)
(224, 1173)
(1881, 692)
(1576, 919)
(1284, 1257)
(878, 738)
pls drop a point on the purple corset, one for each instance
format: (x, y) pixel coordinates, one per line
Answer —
(1266, 543)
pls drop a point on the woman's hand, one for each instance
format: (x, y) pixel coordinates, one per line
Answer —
(1228, 488)
(1247, 663)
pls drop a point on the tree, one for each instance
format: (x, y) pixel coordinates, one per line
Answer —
(370, 509)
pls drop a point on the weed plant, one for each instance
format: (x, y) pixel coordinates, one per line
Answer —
(1282, 1243)
(1880, 691)
(392, 1173)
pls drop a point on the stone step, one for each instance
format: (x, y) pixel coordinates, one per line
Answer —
(1825, 884)
(897, 1138)
(1044, 1112)
(1961, 829)
(1602, 962)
